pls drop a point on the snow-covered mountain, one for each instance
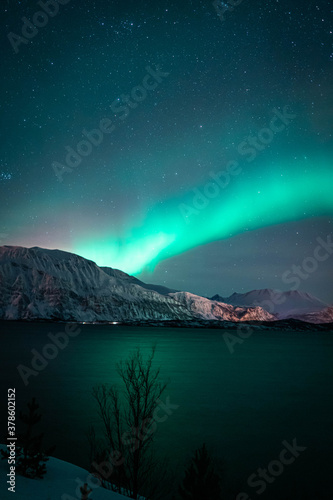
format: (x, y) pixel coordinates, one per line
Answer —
(215, 310)
(51, 284)
(291, 304)
(36, 283)
(323, 316)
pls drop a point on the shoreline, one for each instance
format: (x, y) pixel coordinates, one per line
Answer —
(284, 324)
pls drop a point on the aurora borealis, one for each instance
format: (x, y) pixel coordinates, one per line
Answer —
(216, 179)
(252, 205)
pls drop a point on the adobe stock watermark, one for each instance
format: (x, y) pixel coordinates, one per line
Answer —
(49, 352)
(121, 106)
(250, 148)
(133, 438)
(310, 265)
(295, 276)
(263, 477)
(40, 19)
(256, 144)
(223, 7)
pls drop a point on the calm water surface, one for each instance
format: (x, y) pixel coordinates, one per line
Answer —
(276, 386)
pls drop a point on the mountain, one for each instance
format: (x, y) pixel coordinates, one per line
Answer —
(214, 310)
(36, 283)
(323, 316)
(51, 284)
(291, 304)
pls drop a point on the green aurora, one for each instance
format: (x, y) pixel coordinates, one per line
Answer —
(242, 205)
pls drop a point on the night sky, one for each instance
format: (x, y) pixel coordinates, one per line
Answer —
(206, 161)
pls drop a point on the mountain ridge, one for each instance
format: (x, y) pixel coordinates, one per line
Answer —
(37, 283)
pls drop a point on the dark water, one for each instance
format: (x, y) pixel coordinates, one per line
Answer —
(275, 387)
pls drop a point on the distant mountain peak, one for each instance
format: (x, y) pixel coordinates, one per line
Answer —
(291, 303)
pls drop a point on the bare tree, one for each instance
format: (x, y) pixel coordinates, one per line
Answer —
(129, 426)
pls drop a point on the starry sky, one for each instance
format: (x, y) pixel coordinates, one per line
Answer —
(186, 142)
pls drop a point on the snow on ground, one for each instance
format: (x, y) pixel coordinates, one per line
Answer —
(59, 483)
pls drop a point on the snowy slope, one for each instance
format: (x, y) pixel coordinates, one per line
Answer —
(52, 284)
(282, 304)
(59, 481)
(214, 310)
